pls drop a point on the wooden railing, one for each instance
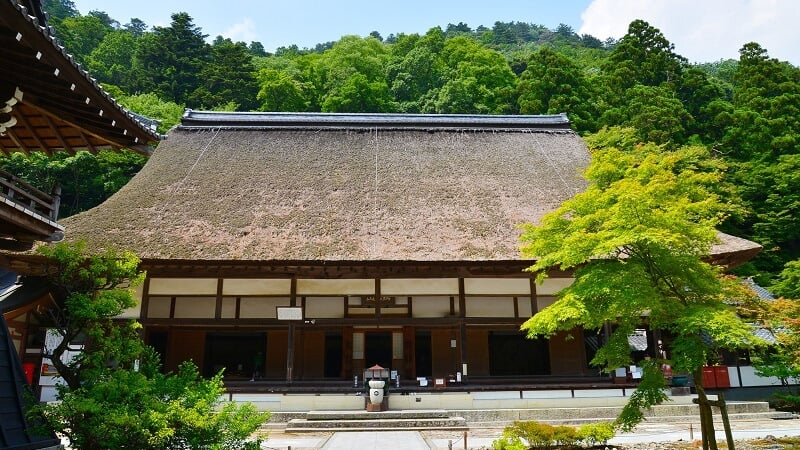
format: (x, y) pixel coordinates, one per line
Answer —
(20, 192)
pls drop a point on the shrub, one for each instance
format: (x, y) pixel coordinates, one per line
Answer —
(596, 433)
(509, 443)
(565, 435)
(534, 433)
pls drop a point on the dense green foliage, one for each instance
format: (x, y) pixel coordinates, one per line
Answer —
(746, 110)
(637, 238)
(524, 435)
(115, 396)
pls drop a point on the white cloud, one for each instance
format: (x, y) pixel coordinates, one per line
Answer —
(704, 30)
(245, 30)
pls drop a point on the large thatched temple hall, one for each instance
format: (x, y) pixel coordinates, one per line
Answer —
(297, 250)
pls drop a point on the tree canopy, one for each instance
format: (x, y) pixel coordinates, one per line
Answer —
(115, 396)
(637, 240)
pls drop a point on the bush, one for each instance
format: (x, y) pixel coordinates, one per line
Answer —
(531, 434)
(128, 409)
(596, 433)
(534, 433)
(509, 443)
(565, 435)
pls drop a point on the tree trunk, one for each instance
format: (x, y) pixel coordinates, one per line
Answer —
(706, 419)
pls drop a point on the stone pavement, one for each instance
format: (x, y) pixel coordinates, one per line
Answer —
(482, 438)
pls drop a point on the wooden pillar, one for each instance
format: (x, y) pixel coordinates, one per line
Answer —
(290, 344)
(462, 327)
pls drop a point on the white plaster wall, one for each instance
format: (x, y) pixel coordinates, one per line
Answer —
(324, 307)
(419, 286)
(430, 306)
(494, 286)
(158, 307)
(490, 306)
(183, 286)
(244, 286)
(552, 285)
(195, 307)
(749, 378)
(335, 287)
(261, 307)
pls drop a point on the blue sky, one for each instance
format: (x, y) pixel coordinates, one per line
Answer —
(702, 30)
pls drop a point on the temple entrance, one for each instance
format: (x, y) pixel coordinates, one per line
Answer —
(236, 353)
(378, 349)
(423, 358)
(511, 353)
(333, 354)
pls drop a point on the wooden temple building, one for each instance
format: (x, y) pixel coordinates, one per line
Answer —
(296, 250)
(48, 103)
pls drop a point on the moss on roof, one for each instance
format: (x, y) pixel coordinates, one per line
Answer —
(333, 194)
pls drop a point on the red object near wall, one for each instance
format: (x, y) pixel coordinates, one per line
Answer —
(722, 377)
(709, 378)
(29, 368)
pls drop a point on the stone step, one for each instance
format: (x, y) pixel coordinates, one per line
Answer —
(438, 419)
(386, 415)
(376, 424)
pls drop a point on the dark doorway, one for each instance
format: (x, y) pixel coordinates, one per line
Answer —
(422, 354)
(378, 349)
(237, 353)
(158, 340)
(511, 353)
(333, 354)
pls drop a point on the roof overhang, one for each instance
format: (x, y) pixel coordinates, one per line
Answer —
(48, 102)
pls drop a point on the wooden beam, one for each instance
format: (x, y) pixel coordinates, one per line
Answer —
(57, 134)
(22, 118)
(89, 145)
(10, 133)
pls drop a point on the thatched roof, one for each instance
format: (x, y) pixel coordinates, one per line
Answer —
(341, 187)
(347, 187)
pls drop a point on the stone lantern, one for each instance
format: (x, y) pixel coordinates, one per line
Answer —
(376, 377)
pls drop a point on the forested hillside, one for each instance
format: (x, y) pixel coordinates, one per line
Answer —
(747, 111)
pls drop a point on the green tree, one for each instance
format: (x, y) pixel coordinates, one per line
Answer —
(114, 396)
(80, 35)
(281, 92)
(111, 61)
(644, 56)
(135, 27)
(149, 105)
(256, 48)
(228, 77)
(90, 290)
(552, 84)
(782, 360)
(762, 138)
(477, 80)
(637, 238)
(416, 70)
(788, 284)
(654, 112)
(169, 60)
(352, 76)
(59, 10)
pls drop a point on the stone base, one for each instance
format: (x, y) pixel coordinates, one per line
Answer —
(371, 407)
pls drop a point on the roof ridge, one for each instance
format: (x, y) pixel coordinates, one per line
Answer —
(398, 121)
